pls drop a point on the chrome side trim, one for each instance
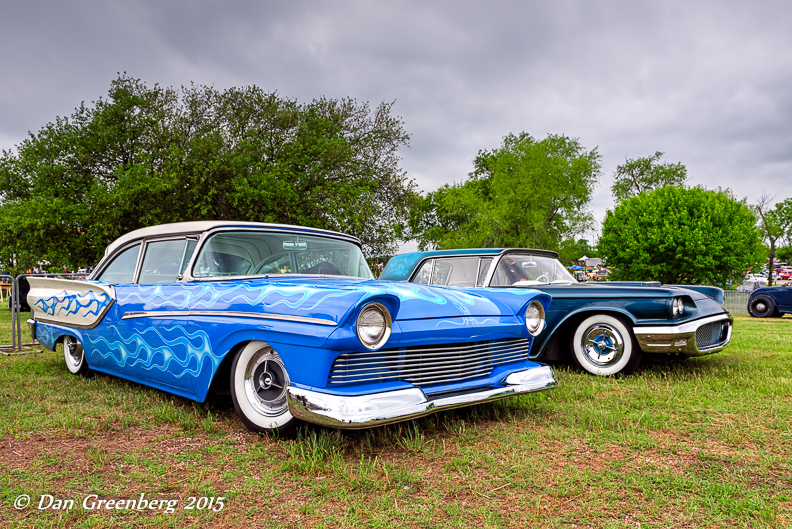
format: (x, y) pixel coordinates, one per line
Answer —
(681, 339)
(225, 314)
(366, 411)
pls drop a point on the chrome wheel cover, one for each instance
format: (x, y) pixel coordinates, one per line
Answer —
(266, 381)
(760, 307)
(73, 351)
(602, 345)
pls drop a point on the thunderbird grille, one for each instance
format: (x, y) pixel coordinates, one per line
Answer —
(711, 334)
(428, 365)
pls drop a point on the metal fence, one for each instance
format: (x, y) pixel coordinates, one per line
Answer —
(736, 302)
(16, 346)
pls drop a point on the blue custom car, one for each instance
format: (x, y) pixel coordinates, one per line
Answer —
(770, 302)
(290, 321)
(605, 327)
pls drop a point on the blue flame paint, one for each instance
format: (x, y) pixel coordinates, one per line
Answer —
(71, 302)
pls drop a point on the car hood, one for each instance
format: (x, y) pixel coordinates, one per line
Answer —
(626, 290)
(335, 299)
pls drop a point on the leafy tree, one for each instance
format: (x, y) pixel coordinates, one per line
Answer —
(571, 250)
(641, 175)
(151, 155)
(527, 193)
(784, 254)
(680, 235)
(775, 225)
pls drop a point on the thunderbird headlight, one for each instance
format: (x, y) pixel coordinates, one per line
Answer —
(677, 307)
(374, 326)
(534, 318)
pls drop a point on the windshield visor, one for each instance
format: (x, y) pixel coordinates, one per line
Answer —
(527, 270)
(259, 253)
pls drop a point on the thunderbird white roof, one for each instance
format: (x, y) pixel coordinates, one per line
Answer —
(178, 228)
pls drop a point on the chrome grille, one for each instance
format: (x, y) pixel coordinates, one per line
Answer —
(428, 365)
(709, 334)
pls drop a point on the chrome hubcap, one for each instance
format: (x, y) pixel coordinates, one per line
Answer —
(266, 381)
(602, 345)
(761, 307)
(74, 352)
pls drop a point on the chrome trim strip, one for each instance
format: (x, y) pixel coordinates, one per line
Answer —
(690, 326)
(365, 411)
(225, 314)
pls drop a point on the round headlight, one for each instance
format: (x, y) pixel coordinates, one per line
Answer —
(373, 326)
(534, 318)
(677, 307)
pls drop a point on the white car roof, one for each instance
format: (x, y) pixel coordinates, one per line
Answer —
(178, 228)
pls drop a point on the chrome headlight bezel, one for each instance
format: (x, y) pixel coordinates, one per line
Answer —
(534, 312)
(380, 309)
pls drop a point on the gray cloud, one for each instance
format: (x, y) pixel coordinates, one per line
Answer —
(705, 83)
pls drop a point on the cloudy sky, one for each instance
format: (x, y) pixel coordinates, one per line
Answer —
(707, 83)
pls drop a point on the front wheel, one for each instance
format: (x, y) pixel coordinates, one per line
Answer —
(74, 355)
(603, 345)
(761, 307)
(258, 388)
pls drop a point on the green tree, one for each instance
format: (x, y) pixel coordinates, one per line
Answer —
(775, 225)
(680, 235)
(151, 155)
(570, 250)
(527, 193)
(641, 175)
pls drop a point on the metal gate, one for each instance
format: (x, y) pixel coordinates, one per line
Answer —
(16, 347)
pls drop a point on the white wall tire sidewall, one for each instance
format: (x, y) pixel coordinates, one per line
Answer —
(251, 414)
(74, 370)
(580, 355)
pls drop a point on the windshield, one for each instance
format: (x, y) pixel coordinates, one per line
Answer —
(527, 270)
(258, 253)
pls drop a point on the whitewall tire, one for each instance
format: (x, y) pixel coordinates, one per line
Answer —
(259, 382)
(74, 354)
(603, 345)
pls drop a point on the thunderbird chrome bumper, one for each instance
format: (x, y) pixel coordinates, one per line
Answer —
(696, 338)
(376, 409)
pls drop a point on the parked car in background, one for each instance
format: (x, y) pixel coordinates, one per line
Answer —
(605, 327)
(290, 321)
(752, 283)
(770, 302)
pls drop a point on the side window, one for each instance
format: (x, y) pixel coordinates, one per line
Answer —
(455, 272)
(164, 261)
(484, 266)
(422, 277)
(122, 269)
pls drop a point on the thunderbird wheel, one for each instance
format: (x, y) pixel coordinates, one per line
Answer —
(604, 345)
(258, 388)
(761, 307)
(74, 354)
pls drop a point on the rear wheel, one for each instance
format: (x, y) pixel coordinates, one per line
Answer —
(761, 307)
(74, 355)
(258, 387)
(604, 345)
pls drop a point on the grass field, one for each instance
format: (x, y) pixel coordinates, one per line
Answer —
(697, 443)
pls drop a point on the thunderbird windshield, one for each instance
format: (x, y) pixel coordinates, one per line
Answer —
(527, 270)
(258, 253)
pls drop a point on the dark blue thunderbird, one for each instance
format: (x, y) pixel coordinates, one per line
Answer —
(605, 327)
(292, 323)
(770, 302)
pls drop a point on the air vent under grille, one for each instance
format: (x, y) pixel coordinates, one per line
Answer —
(709, 335)
(428, 365)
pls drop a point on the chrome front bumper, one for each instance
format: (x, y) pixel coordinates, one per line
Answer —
(681, 339)
(366, 411)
